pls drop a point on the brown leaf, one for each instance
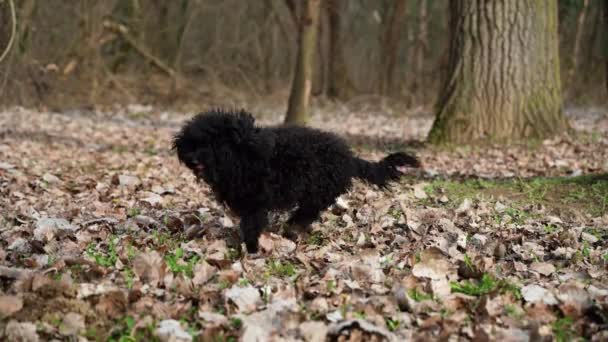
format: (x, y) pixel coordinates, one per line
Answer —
(246, 298)
(21, 331)
(172, 331)
(543, 268)
(202, 273)
(112, 304)
(273, 243)
(434, 265)
(72, 324)
(217, 254)
(9, 305)
(149, 267)
(574, 299)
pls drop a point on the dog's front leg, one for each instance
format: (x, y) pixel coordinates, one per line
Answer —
(252, 226)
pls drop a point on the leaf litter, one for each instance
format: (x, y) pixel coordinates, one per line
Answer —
(103, 235)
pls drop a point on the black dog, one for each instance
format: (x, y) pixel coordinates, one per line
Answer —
(257, 169)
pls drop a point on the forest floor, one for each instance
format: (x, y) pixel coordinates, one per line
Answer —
(103, 235)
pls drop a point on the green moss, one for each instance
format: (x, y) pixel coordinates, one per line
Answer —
(457, 191)
(587, 193)
(279, 269)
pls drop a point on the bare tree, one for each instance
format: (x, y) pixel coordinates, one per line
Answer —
(13, 31)
(390, 43)
(299, 98)
(578, 36)
(504, 80)
(421, 47)
(340, 85)
(606, 40)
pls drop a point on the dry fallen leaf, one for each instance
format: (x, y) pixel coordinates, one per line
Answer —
(434, 265)
(313, 331)
(272, 243)
(128, 181)
(202, 273)
(9, 305)
(112, 304)
(543, 268)
(170, 330)
(96, 205)
(246, 298)
(149, 267)
(47, 228)
(72, 324)
(21, 331)
(261, 325)
(574, 299)
(535, 293)
(419, 191)
(212, 318)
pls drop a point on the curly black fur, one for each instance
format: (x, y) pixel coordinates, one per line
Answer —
(258, 169)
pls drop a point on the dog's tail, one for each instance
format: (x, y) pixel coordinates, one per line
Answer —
(385, 170)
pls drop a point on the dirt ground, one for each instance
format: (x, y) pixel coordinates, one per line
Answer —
(104, 236)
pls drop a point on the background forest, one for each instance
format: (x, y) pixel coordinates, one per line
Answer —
(82, 52)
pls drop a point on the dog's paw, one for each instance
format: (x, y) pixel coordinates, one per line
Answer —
(297, 232)
(252, 247)
(291, 235)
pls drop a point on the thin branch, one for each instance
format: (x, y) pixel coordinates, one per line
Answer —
(123, 32)
(13, 30)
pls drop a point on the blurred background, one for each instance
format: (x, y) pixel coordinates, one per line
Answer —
(70, 53)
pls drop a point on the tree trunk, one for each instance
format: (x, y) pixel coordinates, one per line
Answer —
(606, 41)
(578, 36)
(23, 23)
(421, 46)
(340, 86)
(592, 61)
(299, 98)
(503, 76)
(390, 44)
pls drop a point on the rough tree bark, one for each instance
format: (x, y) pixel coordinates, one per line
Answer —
(390, 43)
(299, 98)
(503, 79)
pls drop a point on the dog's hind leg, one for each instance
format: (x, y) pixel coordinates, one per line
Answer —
(252, 226)
(305, 215)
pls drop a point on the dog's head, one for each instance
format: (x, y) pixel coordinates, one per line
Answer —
(220, 143)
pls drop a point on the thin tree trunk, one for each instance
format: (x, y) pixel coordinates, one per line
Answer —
(580, 24)
(320, 70)
(421, 47)
(340, 85)
(390, 44)
(590, 57)
(606, 41)
(503, 76)
(293, 9)
(23, 21)
(299, 99)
